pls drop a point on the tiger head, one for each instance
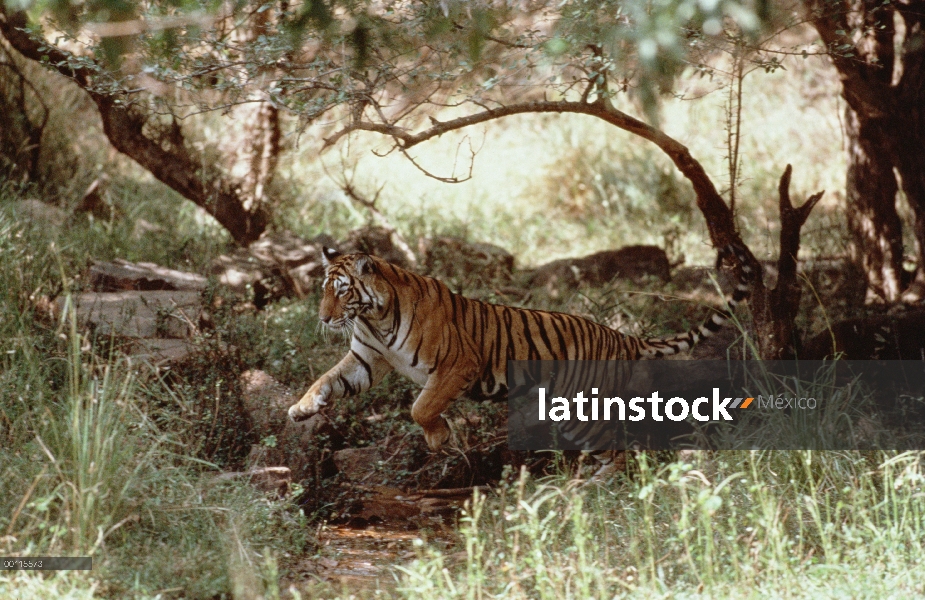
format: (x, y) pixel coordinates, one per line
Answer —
(352, 288)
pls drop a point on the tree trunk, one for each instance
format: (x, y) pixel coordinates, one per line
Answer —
(876, 230)
(161, 150)
(261, 148)
(885, 93)
(910, 134)
(261, 145)
(911, 167)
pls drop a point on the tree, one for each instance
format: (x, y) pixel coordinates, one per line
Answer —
(157, 141)
(879, 50)
(23, 122)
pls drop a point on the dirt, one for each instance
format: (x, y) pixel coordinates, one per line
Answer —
(356, 559)
(390, 528)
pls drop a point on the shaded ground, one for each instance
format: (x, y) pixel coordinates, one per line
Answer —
(389, 528)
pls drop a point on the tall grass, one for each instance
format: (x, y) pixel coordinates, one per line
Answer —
(91, 467)
(727, 524)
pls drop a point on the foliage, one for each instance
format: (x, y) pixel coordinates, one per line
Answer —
(782, 524)
(92, 466)
(392, 58)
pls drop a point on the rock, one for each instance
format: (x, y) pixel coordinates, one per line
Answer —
(877, 337)
(275, 480)
(358, 464)
(161, 352)
(453, 258)
(96, 202)
(305, 447)
(301, 446)
(136, 314)
(701, 279)
(383, 509)
(383, 504)
(279, 264)
(377, 241)
(725, 343)
(143, 227)
(121, 275)
(286, 249)
(630, 262)
(310, 432)
(839, 280)
(152, 318)
(266, 401)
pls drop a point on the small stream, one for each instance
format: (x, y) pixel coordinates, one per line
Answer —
(362, 556)
(357, 558)
(352, 560)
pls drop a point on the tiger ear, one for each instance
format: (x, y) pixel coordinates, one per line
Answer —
(327, 255)
(364, 265)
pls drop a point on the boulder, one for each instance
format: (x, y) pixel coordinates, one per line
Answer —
(279, 264)
(630, 262)
(120, 275)
(877, 337)
(451, 258)
(838, 279)
(161, 352)
(270, 480)
(149, 310)
(300, 446)
(96, 201)
(358, 464)
(384, 504)
(266, 401)
(137, 314)
(377, 241)
(39, 212)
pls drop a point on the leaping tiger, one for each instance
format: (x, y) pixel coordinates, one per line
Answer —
(455, 346)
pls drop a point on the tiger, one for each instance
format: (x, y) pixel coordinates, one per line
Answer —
(453, 346)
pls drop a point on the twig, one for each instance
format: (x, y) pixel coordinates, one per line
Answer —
(346, 184)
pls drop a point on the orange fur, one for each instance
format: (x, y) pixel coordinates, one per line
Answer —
(451, 345)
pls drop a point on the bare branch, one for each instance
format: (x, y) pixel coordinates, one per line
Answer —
(380, 219)
(451, 179)
(775, 310)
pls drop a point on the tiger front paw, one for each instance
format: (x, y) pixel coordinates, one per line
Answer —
(306, 407)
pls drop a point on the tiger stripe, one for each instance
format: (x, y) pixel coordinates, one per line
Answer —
(455, 346)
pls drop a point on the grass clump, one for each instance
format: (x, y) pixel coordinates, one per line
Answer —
(780, 524)
(91, 466)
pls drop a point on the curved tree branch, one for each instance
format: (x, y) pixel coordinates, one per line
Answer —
(719, 217)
